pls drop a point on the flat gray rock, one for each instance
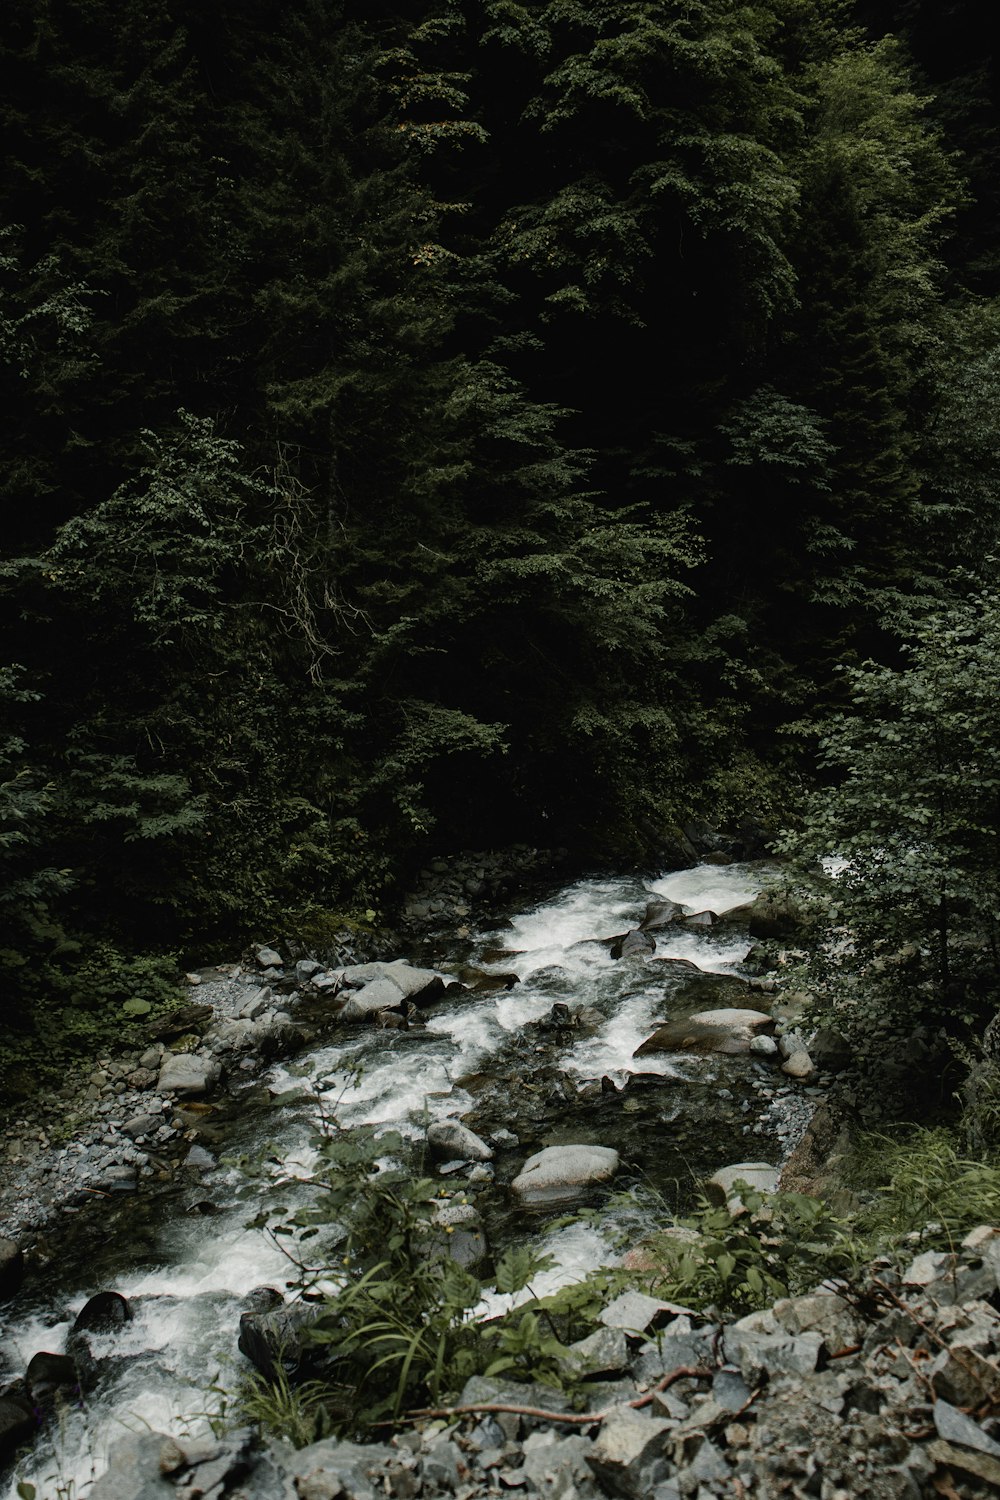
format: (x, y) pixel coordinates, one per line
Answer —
(729, 1030)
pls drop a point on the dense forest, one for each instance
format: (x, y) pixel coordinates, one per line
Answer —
(431, 424)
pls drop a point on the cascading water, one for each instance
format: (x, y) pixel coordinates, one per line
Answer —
(186, 1293)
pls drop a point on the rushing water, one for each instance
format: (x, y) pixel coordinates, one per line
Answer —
(186, 1292)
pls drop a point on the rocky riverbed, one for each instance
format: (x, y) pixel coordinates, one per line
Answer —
(614, 1018)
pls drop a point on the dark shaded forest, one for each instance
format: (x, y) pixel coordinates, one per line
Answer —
(433, 424)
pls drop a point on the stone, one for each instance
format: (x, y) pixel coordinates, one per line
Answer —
(559, 1174)
(103, 1313)
(138, 1468)
(799, 1065)
(48, 1373)
(198, 1158)
(448, 1140)
(330, 1470)
(269, 959)
(830, 1051)
(456, 1233)
(758, 1175)
(824, 1313)
(729, 1030)
(964, 1377)
(187, 1073)
(307, 968)
(11, 1268)
(638, 1314)
(761, 1356)
(981, 1465)
(557, 1467)
(256, 1003)
(660, 914)
(140, 1125)
(955, 1427)
(421, 985)
(626, 1450)
(634, 944)
(376, 995)
(763, 1046)
(604, 1352)
(17, 1424)
(273, 1340)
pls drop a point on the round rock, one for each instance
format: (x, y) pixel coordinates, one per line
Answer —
(561, 1173)
(448, 1140)
(730, 1030)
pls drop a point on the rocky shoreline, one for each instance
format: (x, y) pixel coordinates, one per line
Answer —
(888, 1387)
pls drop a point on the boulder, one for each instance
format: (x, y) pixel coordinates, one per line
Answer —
(365, 1003)
(420, 985)
(559, 1174)
(730, 1031)
(635, 944)
(47, 1374)
(660, 914)
(103, 1313)
(448, 1140)
(17, 1423)
(770, 915)
(187, 1073)
(11, 1268)
(139, 1468)
(268, 958)
(759, 1175)
(274, 1340)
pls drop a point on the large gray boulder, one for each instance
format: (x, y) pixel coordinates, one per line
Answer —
(560, 1174)
(730, 1030)
(187, 1073)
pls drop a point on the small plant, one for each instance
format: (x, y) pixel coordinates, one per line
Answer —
(301, 1414)
(777, 1246)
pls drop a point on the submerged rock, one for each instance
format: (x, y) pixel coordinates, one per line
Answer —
(560, 1174)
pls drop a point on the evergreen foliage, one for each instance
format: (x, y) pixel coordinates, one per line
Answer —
(469, 422)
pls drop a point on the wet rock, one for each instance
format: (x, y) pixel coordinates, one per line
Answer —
(627, 1455)
(634, 944)
(199, 1159)
(376, 995)
(47, 1374)
(187, 1073)
(421, 985)
(660, 914)
(725, 1031)
(140, 1467)
(17, 1424)
(11, 1268)
(274, 1341)
(448, 1140)
(103, 1313)
(560, 1174)
(758, 1175)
